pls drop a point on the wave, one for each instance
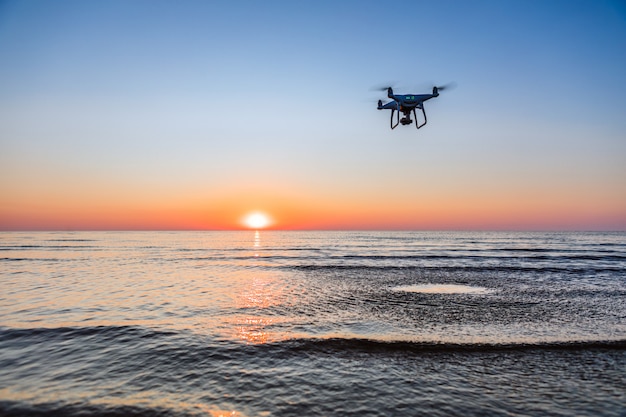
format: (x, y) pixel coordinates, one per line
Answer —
(566, 269)
(72, 240)
(586, 257)
(48, 247)
(6, 259)
(258, 379)
(24, 409)
(349, 345)
(8, 334)
(122, 334)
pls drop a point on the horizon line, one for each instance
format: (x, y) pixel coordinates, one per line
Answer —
(504, 230)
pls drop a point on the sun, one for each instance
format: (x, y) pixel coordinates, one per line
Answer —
(256, 220)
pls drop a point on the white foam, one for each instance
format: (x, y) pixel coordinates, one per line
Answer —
(442, 289)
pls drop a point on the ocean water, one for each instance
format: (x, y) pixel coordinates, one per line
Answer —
(312, 324)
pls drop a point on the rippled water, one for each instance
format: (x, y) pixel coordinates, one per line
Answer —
(312, 323)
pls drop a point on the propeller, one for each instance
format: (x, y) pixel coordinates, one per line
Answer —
(448, 86)
(382, 87)
(422, 88)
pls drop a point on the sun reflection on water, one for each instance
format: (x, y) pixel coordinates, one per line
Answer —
(252, 330)
(259, 293)
(257, 243)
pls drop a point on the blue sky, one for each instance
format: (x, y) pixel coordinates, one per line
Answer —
(198, 101)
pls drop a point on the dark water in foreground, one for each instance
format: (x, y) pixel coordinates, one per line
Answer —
(315, 323)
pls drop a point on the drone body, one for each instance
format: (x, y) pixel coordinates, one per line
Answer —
(406, 104)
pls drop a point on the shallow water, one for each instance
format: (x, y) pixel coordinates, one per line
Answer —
(312, 323)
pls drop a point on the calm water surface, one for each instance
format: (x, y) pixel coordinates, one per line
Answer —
(312, 323)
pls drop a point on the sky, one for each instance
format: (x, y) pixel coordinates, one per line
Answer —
(178, 115)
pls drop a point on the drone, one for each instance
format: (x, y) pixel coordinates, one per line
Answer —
(407, 103)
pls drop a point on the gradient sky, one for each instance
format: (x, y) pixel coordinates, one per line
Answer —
(190, 114)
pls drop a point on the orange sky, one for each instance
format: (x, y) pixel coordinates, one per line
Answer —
(300, 210)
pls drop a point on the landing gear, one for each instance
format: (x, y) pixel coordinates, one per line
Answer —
(421, 107)
(393, 126)
(406, 120)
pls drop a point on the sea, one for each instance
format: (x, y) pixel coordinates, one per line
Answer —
(276, 323)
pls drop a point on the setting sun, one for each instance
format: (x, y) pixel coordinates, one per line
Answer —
(256, 220)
